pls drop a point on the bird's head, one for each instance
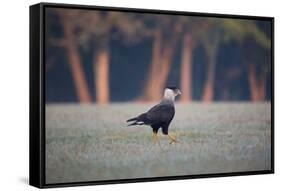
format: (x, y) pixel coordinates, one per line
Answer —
(171, 92)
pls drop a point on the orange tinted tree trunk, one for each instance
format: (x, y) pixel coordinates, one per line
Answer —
(208, 91)
(165, 65)
(77, 71)
(162, 54)
(101, 71)
(257, 88)
(185, 78)
(211, 46)
(150, 85)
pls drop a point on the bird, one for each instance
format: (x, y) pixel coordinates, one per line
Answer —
(159, 116)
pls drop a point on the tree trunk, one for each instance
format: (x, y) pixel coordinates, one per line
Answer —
(257, 89)
(185, 78)
(78, 74)
(159, 69)
(161, 74)
(165, 65)
(208, 92)
(101, 71)
(151, 82)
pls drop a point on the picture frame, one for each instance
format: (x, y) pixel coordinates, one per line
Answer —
(38, 97)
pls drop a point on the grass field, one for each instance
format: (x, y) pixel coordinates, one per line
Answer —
(91, 142)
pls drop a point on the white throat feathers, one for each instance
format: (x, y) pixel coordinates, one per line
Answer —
(169, 95)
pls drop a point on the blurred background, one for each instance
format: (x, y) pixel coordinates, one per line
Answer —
(111, 56)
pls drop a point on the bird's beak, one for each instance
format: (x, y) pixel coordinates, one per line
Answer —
(179, 92)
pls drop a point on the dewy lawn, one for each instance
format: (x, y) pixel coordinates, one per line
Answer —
(92, 142)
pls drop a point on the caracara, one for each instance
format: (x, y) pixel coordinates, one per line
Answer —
(159, 116)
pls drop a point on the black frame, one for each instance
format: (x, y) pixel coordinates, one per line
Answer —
(37, 95)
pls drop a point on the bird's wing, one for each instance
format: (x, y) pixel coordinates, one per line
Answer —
(161, 113)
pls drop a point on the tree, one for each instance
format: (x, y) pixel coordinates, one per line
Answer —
(97, 28)
(211, 41)
(165, 34)
(191, 27)
(257, 66)
(93, 31)
(185, 77)
(68, 42)
(217, 31)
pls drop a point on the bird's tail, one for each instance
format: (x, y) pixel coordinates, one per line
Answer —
(132, 119)
(136, 121)
(132, 124)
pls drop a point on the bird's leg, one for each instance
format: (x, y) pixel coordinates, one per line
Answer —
(173, 140)
(154, 137)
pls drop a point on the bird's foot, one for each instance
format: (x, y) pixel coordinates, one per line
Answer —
(172, 140)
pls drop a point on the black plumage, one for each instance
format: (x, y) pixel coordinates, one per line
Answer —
(159, 116)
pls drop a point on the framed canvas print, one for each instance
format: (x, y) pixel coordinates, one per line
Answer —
(123, 95)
